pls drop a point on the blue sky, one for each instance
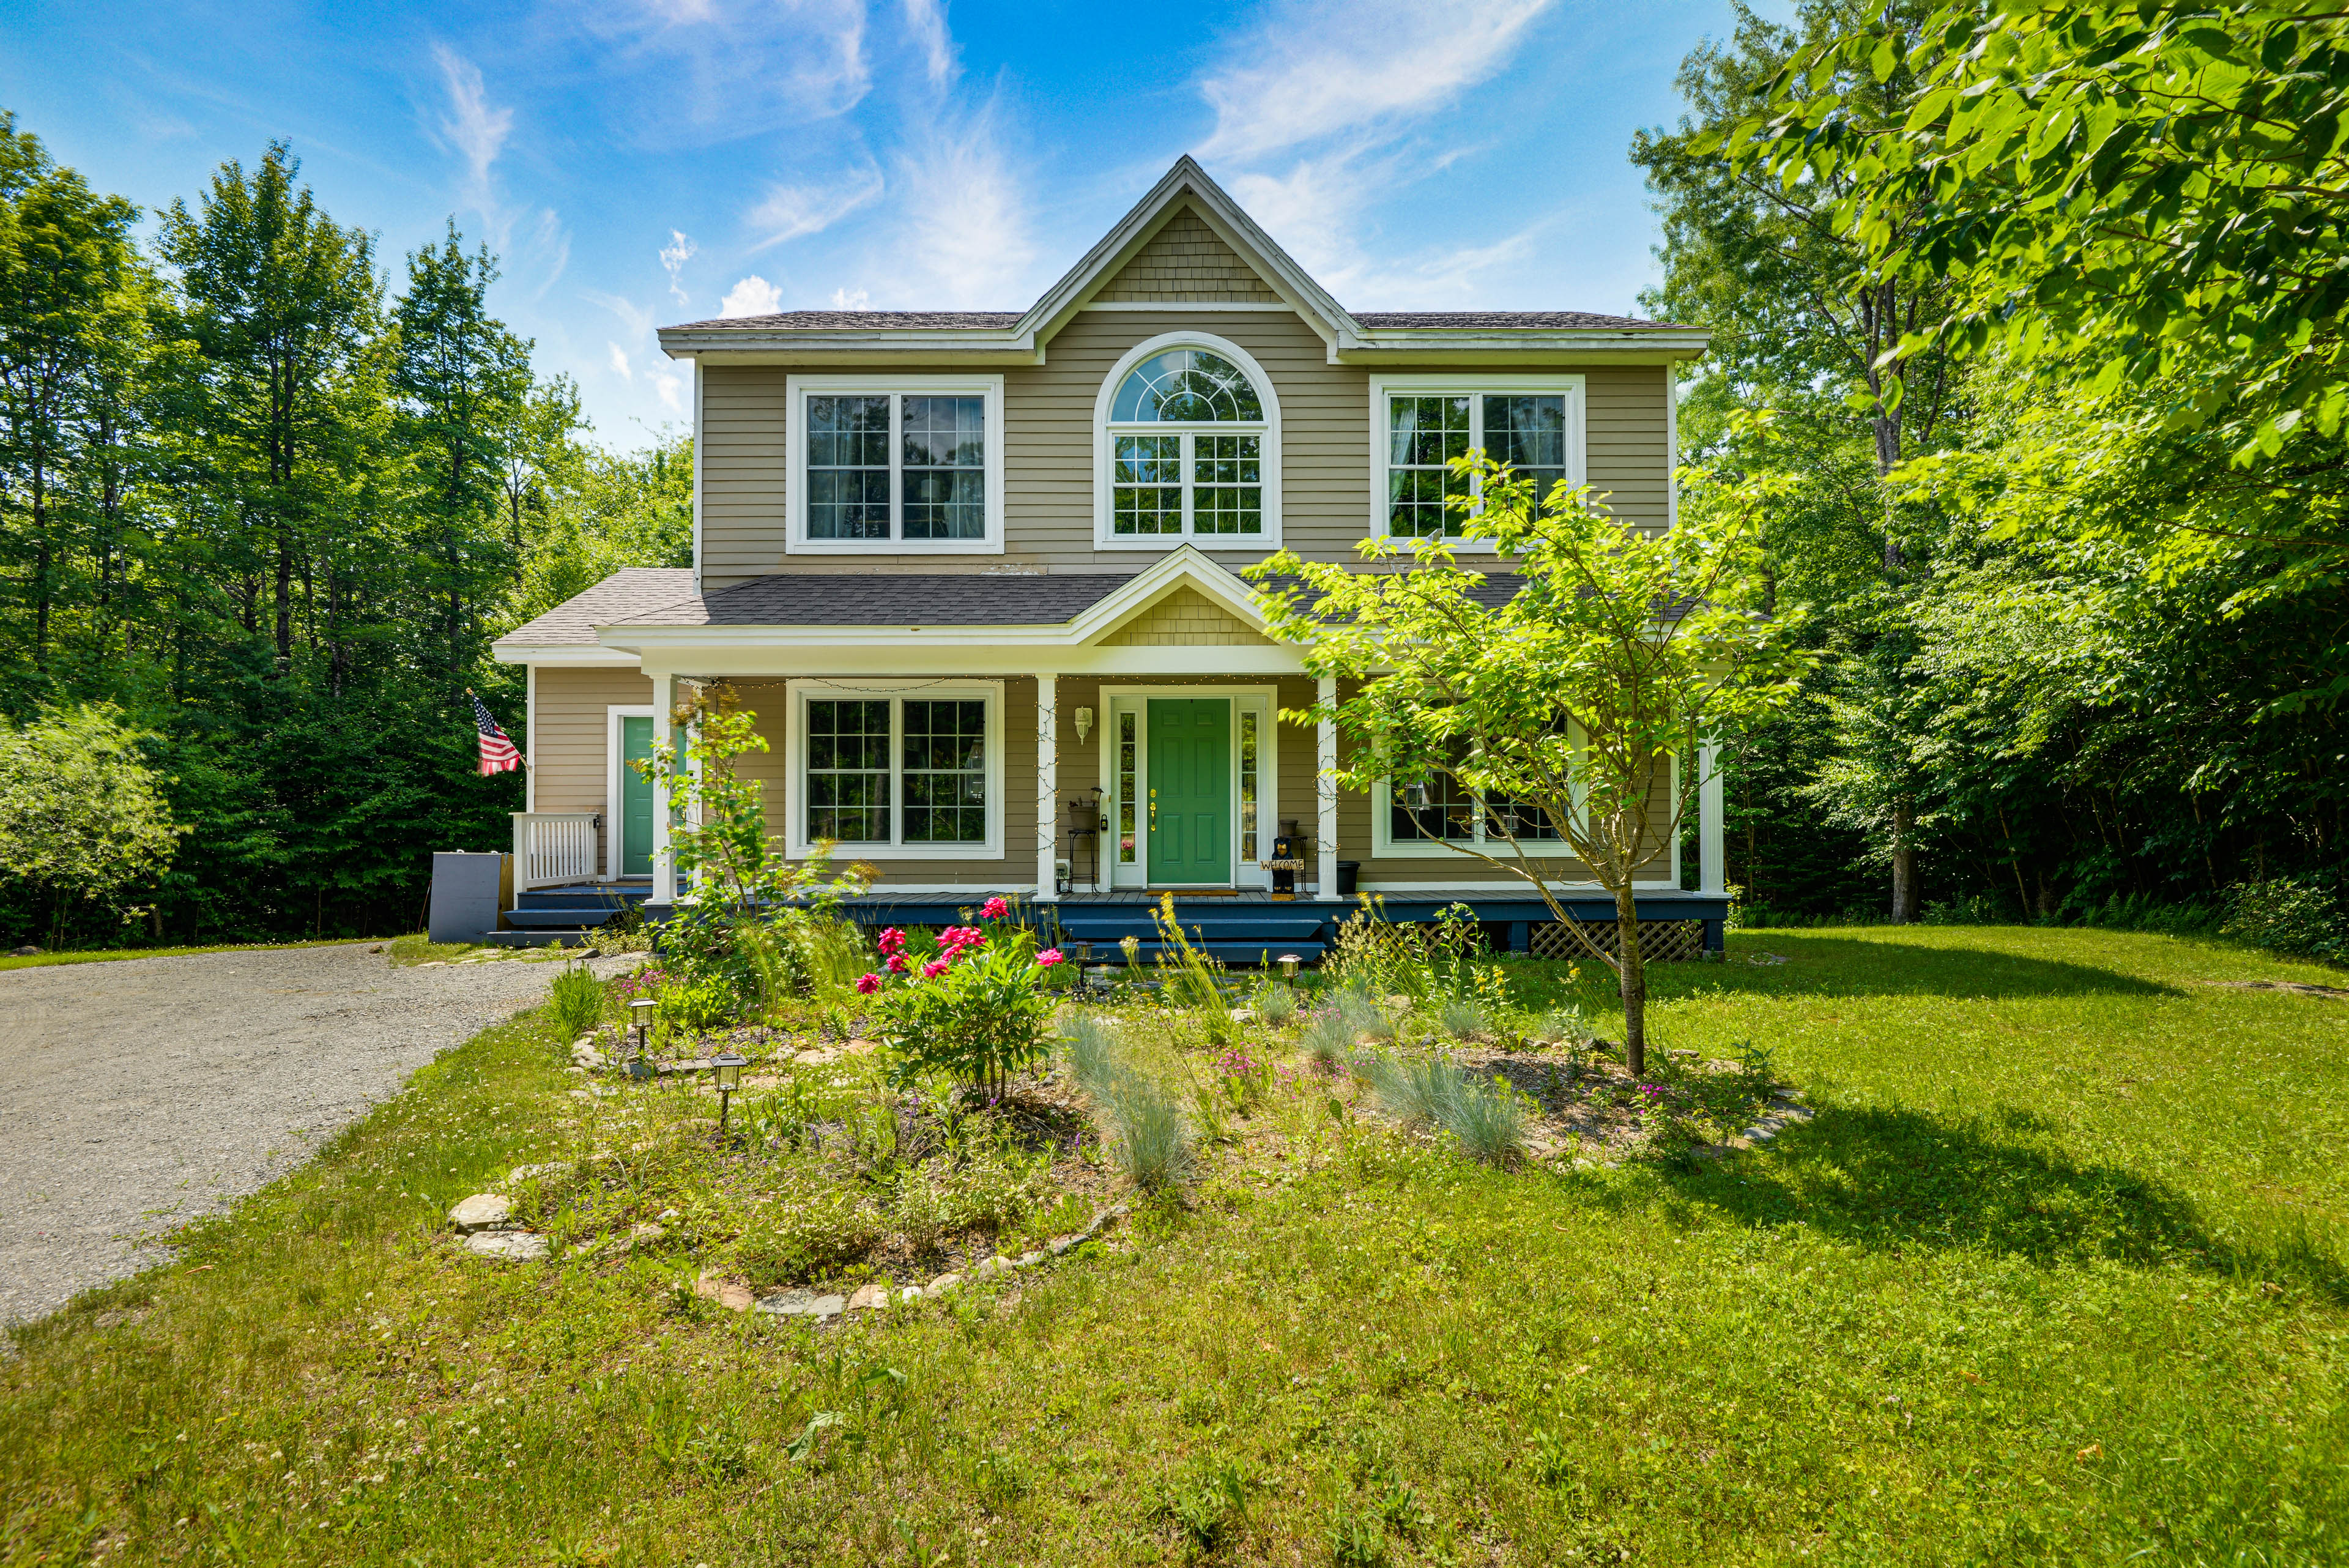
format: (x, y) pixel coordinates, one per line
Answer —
(636, 162)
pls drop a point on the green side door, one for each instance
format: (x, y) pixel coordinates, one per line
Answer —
(1190, 783)
(636, 799)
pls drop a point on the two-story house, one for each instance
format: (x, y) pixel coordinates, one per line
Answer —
(975, 572)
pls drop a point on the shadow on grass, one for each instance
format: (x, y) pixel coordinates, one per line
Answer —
(1846, 966)
(1896, 1179)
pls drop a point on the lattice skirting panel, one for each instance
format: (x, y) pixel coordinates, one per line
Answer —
(1661, 941)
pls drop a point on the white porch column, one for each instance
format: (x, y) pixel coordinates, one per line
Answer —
(663, 891)
(1324, 785)
(1048, 785)
(1712, 852)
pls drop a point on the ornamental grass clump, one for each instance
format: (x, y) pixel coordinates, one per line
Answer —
(1413, 1091)
(1092, 1051)
(1149, 1138)
(1329, 1042)
(1487, 1118)
(1464, 1018)
(1364, 1016)
(577, 998)
(1276, 1005)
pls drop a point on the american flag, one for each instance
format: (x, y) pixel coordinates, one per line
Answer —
(498, 754)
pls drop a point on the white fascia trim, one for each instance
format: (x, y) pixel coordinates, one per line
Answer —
(1104, 508)
(577, 655)
(895, 655)
(1475, 383)
(1237, 230)
(796, 694)
(1005, 347)
(798, 388)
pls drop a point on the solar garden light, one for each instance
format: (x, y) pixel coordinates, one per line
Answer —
(640, 1020)
(1289, 962)
(728, 1066)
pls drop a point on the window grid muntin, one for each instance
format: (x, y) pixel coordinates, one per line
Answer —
(865, 477)
(1528, 431)
(1129, 767)
(942, 758)
(1147, 486)
(848, 797)
(1205, 388)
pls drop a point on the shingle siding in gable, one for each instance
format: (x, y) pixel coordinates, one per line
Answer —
(1186, 260)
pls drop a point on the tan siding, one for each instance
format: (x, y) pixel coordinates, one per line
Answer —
(570, 763)
(742, 472)
(1049, 450)
(1186, 260)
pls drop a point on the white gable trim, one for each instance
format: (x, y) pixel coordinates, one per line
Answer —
(1232, 225)
(1185, 565)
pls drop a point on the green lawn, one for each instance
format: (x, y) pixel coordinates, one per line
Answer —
(2057, 1275)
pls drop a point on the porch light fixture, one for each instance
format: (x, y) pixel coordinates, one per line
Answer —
(729, 1068)
(1085, 724)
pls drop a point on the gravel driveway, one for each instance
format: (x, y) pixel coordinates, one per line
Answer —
(135, 1096)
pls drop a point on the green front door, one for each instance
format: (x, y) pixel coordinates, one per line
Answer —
(636, 799)
(1190, 783)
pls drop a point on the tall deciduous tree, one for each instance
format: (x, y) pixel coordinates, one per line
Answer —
(1557, 715)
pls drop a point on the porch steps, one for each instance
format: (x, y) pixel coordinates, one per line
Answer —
(545, 915)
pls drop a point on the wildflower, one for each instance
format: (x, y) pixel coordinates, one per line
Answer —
(1047, 958)
(866, 984)
(935, 968)
(994, 909)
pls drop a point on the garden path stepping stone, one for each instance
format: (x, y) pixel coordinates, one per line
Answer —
(480, 1212)
(512, 1246)
(801, 1304)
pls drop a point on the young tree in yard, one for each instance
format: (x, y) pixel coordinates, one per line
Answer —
(1558, 714)
(82, 815)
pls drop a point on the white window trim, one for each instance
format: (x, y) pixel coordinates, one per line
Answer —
(1266, 700)
(798, 389)
(797, 693)
(615, 767)
(1572, 385)
(1104, 501)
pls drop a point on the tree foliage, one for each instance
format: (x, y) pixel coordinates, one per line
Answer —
(82, 811)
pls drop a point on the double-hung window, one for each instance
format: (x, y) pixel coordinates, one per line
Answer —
(1421, 425)
(895, 464)
(881, 772)
(1189, 442)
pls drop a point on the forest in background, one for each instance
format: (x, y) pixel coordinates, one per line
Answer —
(2029, 322)
(269, 506)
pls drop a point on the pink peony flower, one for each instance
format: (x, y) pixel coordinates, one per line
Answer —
(896, 963)
(994, 909)
(1047, 958)
(935, 968)
(893, 940)
(866, 984)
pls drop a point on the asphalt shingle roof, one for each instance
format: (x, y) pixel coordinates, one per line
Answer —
(630, 591)
(857, 321)
(1542, 320)
(893, 598)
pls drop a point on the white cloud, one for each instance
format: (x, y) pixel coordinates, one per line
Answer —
(754, 295)
(696, 72)
(927, 20)
(620, 363)
(850, 299)
(638, 319)
(673, 257)
(1321, 69)
(670, 389)
(965, 224)
(477, 131)
(789, 212)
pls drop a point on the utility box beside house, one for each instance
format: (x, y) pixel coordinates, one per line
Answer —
(467, 902)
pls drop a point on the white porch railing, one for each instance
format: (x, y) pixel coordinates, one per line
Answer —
(552, 846)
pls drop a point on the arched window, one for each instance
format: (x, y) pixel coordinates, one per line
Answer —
(1189, 443)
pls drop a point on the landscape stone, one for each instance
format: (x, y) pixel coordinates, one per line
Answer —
(648, 1233)
(1058, 1245)
(729, 1293)
(994, 1265)
(480, 1212)
(36, 952)
(1027, 1260)
(512, 1246)
(941, 1284)
(910, 1294)
(869, 1296)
